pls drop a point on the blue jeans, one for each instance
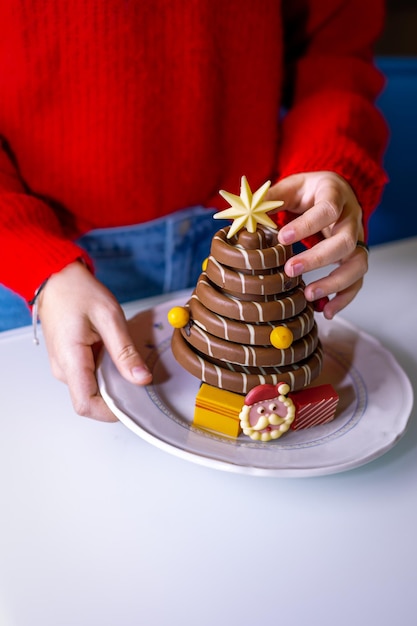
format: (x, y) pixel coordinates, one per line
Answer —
(138, 261)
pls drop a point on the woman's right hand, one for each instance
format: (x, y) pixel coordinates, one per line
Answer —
(78, 315)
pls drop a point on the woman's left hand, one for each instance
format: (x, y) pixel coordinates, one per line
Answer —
(324, 203)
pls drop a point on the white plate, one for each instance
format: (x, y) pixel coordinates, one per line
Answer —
(375, 403)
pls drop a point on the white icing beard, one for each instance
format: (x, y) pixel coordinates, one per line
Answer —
(269, 424)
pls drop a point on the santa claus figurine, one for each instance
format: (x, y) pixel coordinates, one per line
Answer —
(270, 410)
(267, 412)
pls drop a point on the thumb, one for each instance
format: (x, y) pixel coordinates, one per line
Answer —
(124, 354)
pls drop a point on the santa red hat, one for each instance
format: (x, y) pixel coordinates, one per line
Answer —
(263, 392)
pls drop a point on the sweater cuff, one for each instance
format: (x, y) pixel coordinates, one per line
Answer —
(33, 245)
(339, 132)
(364, 175)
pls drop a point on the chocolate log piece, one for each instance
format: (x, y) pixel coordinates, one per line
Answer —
(241, 379)
(252, 334)
(250, 251)
(262, 309)
(251, 356)
(253, 284)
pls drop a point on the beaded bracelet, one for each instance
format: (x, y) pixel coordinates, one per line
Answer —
(34, 304)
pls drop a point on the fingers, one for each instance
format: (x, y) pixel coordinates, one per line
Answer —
(80, 371)
(83, 388)
(317, 219)
(328, 215)
(325, 252)
(78, 314)
(320, 211)
(341, 300)
(345, 281)
(322, 202)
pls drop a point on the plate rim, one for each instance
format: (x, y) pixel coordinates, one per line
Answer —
(206, 460)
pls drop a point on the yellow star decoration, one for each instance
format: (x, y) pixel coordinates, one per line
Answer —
(248, 210)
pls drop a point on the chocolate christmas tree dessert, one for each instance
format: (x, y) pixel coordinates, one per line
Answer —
(247, 323)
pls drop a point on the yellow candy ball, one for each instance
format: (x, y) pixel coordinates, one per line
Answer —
(204, 265)
(178, 316)
(281, 337)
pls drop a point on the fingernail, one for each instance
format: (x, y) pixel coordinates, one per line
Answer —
(296, 269)
(287, 236)
(141, 373)
(317, 294)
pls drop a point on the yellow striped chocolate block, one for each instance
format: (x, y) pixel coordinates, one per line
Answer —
(218, 410)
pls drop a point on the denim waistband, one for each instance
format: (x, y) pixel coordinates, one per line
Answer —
(156, 257)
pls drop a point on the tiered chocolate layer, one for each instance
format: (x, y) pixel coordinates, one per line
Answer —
(239, 299)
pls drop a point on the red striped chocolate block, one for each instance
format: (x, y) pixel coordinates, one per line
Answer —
(314, 406)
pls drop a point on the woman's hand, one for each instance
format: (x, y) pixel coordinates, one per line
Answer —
(78, 315)
(324, 203)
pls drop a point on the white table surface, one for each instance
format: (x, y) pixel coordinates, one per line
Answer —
(98, 527)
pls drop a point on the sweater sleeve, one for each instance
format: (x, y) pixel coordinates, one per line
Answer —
(330, 91)
(32, 240)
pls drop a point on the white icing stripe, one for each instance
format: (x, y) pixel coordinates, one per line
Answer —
(240, 306)
(219, 376)
(205, 338)
(242, 282)
(261, 279)
(307, 375)
(302, 319)
(219, 267)
(223, 320)
(252, 352)
(262, 257)
(246, 354)
(244, 383)
(251, 331)
(198, 323)
(202, 366)
(260, 312)
(246, 257)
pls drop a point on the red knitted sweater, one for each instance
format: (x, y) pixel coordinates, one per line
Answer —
(122, 111)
